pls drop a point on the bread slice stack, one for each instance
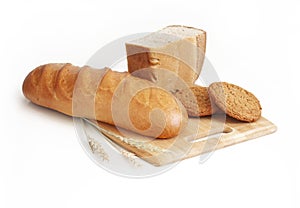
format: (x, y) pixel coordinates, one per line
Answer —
(169, 57)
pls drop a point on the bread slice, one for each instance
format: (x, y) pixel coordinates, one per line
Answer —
(176, 48)
(235, 101)
(196, 101)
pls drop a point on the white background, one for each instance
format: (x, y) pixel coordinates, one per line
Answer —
(251, 43)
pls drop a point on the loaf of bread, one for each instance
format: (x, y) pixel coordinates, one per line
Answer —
(115, 98)
(178, 49)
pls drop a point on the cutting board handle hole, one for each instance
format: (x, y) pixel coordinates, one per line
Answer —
(212, 136)
(227, 130)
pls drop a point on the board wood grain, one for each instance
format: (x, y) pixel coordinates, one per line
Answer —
(202, 135)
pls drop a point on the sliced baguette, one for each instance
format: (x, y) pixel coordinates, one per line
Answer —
(108, 96)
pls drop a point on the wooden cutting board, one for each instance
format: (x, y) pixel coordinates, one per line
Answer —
(202, 135)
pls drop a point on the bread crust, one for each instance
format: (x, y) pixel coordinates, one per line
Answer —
(115, 98)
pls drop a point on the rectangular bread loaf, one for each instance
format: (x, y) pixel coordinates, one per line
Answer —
(178, 49)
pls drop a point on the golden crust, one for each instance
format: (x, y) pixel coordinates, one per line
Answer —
(111, 97)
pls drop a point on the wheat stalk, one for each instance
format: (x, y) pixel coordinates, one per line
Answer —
(97, 149)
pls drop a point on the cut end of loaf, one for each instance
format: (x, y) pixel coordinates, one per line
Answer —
(167, 35)
(182, 31)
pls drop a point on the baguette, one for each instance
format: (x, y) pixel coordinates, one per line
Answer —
(116, 98)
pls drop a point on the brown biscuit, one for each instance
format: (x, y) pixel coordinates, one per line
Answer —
(196, 101)
(235, 101)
